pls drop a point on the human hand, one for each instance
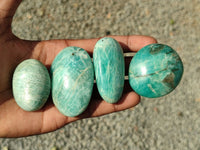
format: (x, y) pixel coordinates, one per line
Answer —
(15, 122)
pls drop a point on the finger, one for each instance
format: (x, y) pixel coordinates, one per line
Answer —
(128, 43)
(8, 7)
(99, 107)
(95, 109)
(46, 51)
(7, 11)
(129, 100)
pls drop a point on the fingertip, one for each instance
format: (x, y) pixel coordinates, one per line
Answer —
(129, 100)
(150, 40)
(140, 42)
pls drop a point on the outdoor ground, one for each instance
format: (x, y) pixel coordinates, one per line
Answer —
(168, 123)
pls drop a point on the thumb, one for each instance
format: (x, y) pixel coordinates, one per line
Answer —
(7, 11)
(8, 7)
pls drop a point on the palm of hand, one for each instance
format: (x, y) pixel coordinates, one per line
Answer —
(15, 122)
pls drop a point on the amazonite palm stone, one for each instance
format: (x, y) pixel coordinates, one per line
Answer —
(155, 71)
(72, 81)
(109, 69)
(31, 85)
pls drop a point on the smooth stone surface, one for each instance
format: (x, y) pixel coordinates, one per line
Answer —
(72, 81)
(155, 71)
(31, 85)
(109, 68)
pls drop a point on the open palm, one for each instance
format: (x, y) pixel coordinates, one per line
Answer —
(15, 122)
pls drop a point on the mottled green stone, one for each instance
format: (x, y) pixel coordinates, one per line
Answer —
(72, 81)
(155, 71)
(109, 69)
(31, 85)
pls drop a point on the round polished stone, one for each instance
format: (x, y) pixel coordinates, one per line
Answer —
(155, 71)
(109, 69)
(31, 85)
(72, 81)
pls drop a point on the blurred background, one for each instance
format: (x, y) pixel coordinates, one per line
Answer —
(167, 123)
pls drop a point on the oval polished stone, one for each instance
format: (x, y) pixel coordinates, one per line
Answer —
(72, 81)
(31, 85)
(109, 69)
(155, 71)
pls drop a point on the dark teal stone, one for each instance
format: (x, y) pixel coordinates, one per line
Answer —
(109, 69)
(31, 85)
(155, 71)
(72, 81)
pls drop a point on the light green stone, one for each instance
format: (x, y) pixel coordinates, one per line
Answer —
(72, 81)
(155, 71)
(31, 85)
(109, 69)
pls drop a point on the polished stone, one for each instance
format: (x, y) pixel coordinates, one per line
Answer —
(109, 68)
(31, 85)
(155, 71)
(72, 81)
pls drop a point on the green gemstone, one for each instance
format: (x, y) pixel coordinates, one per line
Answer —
(155, 71)
(72, 81)
(31, 85)
(109, 69)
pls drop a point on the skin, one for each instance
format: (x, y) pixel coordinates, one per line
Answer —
(15, 122)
